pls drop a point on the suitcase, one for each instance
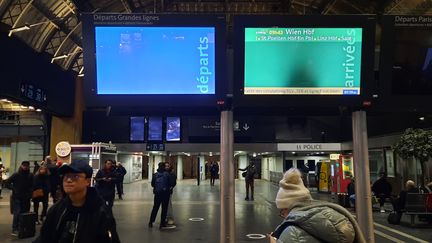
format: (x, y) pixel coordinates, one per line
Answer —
(27, 225)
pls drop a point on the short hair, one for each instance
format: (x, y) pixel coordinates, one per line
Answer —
(410, 184)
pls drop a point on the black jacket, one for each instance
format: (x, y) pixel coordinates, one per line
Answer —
(382, 186)
(250, 172)
(106, 188)
(21, 184)
(42, 182)
(121, 172)
(96, 222)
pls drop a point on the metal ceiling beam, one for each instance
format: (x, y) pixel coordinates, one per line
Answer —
(126, 6)
(4, 5)
(61, 24)
(349, 3)
(23, 12)
(423, 7)
(392, 6)
(323, 5)
(329, 7)
(83, 5)
(65, 40)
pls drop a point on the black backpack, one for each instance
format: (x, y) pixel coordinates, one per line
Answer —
(161, 182)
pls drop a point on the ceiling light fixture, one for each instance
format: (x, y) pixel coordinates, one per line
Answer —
(421, 118)
(59, 57)
(19, 29)
(29, 26)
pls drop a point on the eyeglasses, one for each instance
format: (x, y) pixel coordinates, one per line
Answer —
(73, 177)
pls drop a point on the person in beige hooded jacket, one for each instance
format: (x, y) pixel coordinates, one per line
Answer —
(308, 220)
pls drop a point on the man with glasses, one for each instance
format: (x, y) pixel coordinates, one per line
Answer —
(82, 216)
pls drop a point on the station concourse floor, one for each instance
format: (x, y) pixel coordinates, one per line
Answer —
(192, 201)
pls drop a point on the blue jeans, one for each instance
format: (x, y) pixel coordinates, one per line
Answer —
(19, 206)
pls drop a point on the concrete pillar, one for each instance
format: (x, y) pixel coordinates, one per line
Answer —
(362, 175)
(179, 167)
(243, 162)
(150, 167)
(227, 188)
(202, 167)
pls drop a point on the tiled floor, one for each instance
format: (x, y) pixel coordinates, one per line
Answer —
(192, 201)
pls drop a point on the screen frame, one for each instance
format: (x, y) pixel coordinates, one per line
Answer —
(166, 127)
(144, 130)
(393, 101)
(367, 80)
(154, 100)
(148, 140)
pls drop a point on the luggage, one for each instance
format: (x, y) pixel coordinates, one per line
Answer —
(394, 218)
(27, 225)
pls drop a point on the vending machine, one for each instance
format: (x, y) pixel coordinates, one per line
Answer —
(323, 173)
(342, 171)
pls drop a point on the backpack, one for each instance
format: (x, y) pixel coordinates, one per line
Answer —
(161, 182)
(394, 218)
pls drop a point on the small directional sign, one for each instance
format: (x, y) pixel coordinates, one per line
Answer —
(155, 147)
(246, 127)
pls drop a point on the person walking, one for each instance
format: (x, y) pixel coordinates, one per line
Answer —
(82, 216)
(249, 175)
(173, 182)
(42, 186)
(308, 220)
(120, 172)
(161, 190)
(214, 172)
(105, 182)
(21, 183)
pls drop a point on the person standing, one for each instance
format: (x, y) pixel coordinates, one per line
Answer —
(249, 175)
(308, 220)
(173, 182)
(82, 216)
(161, 190)
(214, 171)
(54, 179)
(2, 170)
(382, 189)
(21, 183)
(36, 167)
(120, 172)
(42, 184)
(105, 182)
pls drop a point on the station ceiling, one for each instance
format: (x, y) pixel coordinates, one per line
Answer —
(54, 27)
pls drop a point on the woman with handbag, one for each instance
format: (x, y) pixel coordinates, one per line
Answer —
(41, 190)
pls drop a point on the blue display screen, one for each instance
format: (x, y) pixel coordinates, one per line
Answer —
(173, 128)
(155, 60)
(137, 128)
(155, 129)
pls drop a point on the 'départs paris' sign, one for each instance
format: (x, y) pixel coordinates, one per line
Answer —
(413, 21)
